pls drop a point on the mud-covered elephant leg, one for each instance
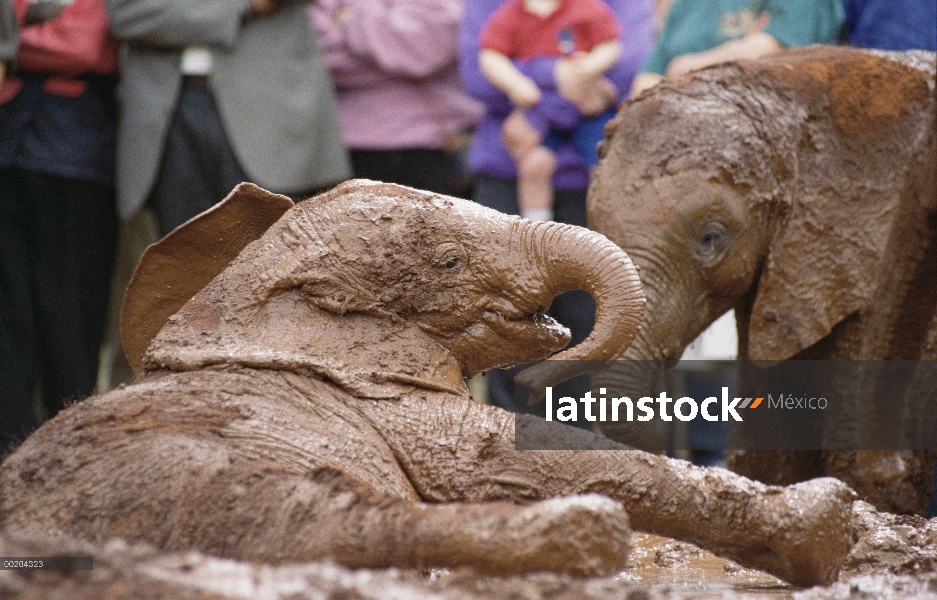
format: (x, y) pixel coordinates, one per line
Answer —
(274, 516)
(901, 316)
(800, 533)
(229, 505)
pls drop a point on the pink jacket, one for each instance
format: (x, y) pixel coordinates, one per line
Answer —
(394, 66)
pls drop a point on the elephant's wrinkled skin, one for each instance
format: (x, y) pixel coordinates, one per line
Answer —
(771, 187)
(309, 402)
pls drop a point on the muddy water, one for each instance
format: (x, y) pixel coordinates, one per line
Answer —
(661, 563)
(660, 568)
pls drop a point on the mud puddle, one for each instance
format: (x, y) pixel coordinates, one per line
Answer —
(660, 568)
(679, 566)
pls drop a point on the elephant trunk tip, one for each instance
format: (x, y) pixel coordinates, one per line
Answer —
(583, 259)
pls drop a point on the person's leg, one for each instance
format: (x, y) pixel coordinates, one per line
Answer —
(569, 205)
(422, 168)
(73, 240)
(497, 193)
(536, 164)
(535, 184)
(199, 167)
(932, 507)
(18, 341)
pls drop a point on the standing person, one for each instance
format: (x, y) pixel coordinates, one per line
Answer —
(578, 92)
(584, 31)
(216, 92)
(9, 37)
(701, 34)
(58, 225)
(400, 102)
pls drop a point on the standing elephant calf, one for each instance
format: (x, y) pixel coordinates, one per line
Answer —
(308, 402)
(796, 190)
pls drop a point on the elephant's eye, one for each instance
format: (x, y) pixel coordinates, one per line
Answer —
(713, 241)
(453, 263)
(450, 257)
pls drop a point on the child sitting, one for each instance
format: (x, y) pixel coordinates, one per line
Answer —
(585, 31)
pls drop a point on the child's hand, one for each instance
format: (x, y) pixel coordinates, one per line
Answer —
(524, 93)
(591, 94)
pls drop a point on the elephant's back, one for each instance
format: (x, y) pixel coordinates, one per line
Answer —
(129, 463)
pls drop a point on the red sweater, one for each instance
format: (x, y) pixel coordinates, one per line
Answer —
(575, 26)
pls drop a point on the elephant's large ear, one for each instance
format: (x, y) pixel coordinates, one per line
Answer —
(809, 284)
(854, 145)
(175, 268)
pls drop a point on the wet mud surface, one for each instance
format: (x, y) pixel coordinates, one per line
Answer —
(895, 557)
(899, 544)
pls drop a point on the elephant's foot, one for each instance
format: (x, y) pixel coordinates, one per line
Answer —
(583, 535)
(800, 533)
(806, 532)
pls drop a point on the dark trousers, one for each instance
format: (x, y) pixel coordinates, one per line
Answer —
(57, 241)
(575, 310)
(424, 169)
(199, 167)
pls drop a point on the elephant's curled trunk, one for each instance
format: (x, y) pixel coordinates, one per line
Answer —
(574, 258)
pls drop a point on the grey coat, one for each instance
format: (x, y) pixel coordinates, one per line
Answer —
(9, 33)
(269, 81)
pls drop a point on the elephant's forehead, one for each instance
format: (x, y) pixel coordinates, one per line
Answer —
(465, 209)
(668, 132)
(457, 211)
(661, 196)
(361, 199)
(372, 217)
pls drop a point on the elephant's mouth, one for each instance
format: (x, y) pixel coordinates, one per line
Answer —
(536, 331)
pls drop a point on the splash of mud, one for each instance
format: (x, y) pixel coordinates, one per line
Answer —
(900, 544)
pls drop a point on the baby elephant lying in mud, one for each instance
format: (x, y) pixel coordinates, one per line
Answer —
(308, 402)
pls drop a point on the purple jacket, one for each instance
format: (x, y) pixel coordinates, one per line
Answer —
(487, 155)
(394, 67)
